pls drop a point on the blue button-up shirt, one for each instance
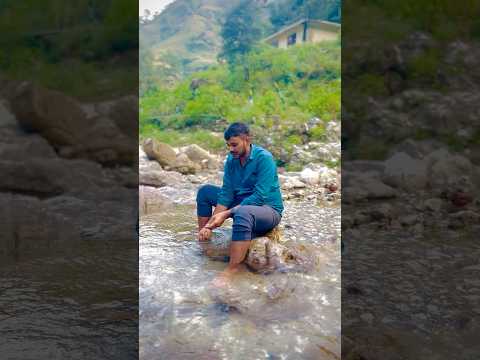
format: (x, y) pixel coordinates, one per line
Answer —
(254, 183)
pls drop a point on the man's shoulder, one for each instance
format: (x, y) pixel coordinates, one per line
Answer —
(261, 152)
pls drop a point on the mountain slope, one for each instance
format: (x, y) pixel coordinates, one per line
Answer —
(188, 29)
(185, 36)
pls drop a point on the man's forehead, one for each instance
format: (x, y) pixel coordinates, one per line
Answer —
(239, 138)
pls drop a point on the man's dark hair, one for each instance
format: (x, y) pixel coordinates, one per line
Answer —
(236, 129)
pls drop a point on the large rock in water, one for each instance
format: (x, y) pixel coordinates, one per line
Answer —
(404, 172)
(163, 153)
(359, 186)
(447, 170)
(200, 156)
(184, 165)
(266, 253)
(63, 122)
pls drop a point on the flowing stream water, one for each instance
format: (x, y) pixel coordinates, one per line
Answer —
(80, 305)
(182, 318)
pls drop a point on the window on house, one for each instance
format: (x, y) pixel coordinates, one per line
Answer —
(292, 39)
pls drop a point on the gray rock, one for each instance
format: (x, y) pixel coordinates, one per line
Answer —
(161, 152)
(293, 183)
(183, 165)
(416, 149)
(62, 121)
(404, 172)
(364, 166)
(446, 169)
(434, 204)
(200, 156)
(381, 212)
(7, 119)
(463, 218)
(408, 220)
(153, 178)
(365, 186)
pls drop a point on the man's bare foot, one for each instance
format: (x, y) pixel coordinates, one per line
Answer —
(225, 277)
(221, 281)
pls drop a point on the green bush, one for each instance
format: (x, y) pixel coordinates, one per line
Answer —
(203, 138)
(372, 84)
(317, 132)
(294, 167)
(324, 101)
(274, 90)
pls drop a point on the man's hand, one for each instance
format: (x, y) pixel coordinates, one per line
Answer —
(215, 221)
(204, 234)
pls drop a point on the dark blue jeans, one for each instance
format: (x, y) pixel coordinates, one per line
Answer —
(249, 221)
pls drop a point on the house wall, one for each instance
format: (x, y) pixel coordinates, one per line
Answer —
(316, 35)
(282, 38)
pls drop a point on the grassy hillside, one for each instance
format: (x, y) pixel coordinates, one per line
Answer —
(274, 90)
(190, 29)
(44, 41)
(186, 36)
(366, 73)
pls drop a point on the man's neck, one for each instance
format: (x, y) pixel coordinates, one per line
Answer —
(243, 159)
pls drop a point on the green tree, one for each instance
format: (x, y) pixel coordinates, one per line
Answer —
(240, 31)
(283, 12)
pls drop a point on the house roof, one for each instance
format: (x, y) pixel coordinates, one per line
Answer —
(300, 22)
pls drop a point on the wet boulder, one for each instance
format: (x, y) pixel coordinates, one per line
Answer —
(266, 253)
(68, 127)
(200, 156)
(164, 154)
(183, 165)
(263, 299)
(402, 171)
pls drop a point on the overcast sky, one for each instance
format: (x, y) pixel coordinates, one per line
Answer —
(152, 5)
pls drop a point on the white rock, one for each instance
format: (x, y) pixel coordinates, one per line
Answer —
(309, 176)
(293, 183)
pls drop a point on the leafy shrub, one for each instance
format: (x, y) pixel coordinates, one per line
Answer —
(324, 101)
(317, 132)
(263, 90)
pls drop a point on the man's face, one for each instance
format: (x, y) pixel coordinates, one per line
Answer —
(238, 145)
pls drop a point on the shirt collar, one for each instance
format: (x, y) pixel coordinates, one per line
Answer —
(253, 151)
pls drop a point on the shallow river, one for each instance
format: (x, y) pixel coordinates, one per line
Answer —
(182, 318)
(80, 305)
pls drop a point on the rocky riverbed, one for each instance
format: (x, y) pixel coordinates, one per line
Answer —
(275, 315)
(411, 217)
(68, 246)
(410, 226)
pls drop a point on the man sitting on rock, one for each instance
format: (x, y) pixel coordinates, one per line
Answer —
(250, 194)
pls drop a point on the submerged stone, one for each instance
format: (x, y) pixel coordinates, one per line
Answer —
(266, 254)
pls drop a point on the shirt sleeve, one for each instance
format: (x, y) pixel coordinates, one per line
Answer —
(266, 173)
(226, 195)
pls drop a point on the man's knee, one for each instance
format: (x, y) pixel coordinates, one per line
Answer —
(243, 223)
(205, 192)
(243, 216)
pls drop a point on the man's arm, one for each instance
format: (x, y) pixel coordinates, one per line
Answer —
(266, 173)
(221, 212)
(226, 195)
(219, 208)
(219, 216)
